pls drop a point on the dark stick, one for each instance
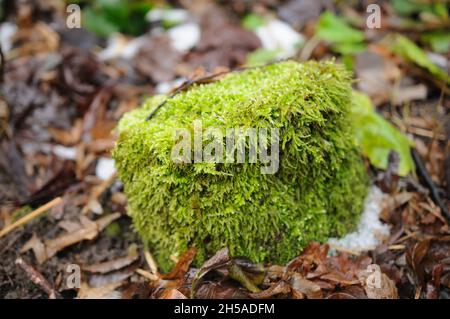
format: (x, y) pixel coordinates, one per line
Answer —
(2, 64)
(37, 278)
(425, 176)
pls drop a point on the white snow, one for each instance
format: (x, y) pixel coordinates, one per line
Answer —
(174, 15)
(371, 231)
(278, 35)
(105, 168)
(7, 31)
(119, 46)
(185, 36)
(166, 87)
(69, 153)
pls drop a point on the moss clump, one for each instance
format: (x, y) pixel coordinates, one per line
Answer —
(316, 193)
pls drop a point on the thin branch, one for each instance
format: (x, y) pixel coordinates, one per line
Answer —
(425, 176)
(37, 278)
(30, 216)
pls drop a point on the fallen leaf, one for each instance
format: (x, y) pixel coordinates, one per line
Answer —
(172, 294)
(182, 266)
(280, 287)
(86, 230)
(102, 292)
(112, 265)
(376, 284)
(305, 287)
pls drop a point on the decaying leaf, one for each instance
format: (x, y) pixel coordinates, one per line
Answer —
(102, 292)
(112, 265)
(182, 266)
(86, 230)
(303, 286)
(376, 284)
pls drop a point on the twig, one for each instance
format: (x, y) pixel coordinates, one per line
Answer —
(37, 278)
(2, 64)
(151, 262)
(30, 216)
(146, 274)
(425, 176)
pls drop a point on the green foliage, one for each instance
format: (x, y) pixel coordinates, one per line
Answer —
(438, 40)
(409, 51)
(317, 192)
(343, 38)
(377, 137)
(21, 212)
(252, 21)
(409, 7)
(113, 229)
(104, 17)
(262, 56)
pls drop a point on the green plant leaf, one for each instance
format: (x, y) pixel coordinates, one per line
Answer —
(377, 137)
(438, 40)
(336, 30)
(409, 7)
(98, 24)
(104, 17)
(343, 38)
(262, 56)
(409, 51)
(252, 21)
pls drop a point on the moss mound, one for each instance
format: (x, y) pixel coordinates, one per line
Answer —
(317, 192)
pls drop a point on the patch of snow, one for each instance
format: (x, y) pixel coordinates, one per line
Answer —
(278, 35)
(185, 36)
(166, 87)
(69, 153)
(371, 231)
(119, 46)
(105, 168)
(173, 15)
(7, 31)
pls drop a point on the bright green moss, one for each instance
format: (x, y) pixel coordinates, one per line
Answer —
(317, 192)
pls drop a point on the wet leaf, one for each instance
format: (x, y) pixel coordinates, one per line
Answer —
(182, 266)
(306, 287)
(343, 38)
(280, 287)
(220, 259)
(409, 51)
(377, 137)
(236, 273)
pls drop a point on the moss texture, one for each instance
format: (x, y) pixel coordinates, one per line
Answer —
(317, 192)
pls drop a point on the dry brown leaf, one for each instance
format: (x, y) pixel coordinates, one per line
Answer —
(305, 287)
(102, 292)
(86, 230)
(393, 202)
(172, 294)
(112, 265)
(38, 248)
(182, 266)
(280, 287)
(376, 284)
